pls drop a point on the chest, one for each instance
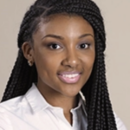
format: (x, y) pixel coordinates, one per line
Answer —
(48, 120)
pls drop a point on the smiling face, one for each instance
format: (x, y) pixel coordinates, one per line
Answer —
(64, 53)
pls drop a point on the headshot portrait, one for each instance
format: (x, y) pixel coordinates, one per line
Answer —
(64, 65)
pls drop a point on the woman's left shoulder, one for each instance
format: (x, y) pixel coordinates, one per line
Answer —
(119, 123)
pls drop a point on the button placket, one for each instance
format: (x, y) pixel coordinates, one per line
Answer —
(63, 124)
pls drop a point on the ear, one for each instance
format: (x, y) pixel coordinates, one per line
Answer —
(28, 51)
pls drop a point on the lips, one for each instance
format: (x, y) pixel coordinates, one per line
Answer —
(69, 77)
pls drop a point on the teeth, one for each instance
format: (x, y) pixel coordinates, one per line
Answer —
(70, 75)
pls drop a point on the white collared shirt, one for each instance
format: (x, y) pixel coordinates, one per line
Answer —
(32, 112)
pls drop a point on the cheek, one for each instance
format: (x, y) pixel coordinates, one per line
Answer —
(88, 62)
(46, 63)
(89, 59)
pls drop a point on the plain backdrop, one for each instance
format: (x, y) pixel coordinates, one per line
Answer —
(116, 15)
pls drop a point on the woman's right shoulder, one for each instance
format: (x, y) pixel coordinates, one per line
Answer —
(7, 108)
(4, 119)
(10, 104)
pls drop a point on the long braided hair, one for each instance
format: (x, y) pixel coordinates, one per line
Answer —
(98, 105)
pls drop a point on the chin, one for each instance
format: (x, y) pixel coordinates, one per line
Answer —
(71, 93)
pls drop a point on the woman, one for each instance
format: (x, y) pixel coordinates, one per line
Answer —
(58, 81)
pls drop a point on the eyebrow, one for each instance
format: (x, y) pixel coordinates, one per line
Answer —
(61, 38)
(85, 35)
(53, 36)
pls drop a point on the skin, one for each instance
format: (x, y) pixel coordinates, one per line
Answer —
(74, 50)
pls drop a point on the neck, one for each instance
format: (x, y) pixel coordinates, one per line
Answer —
(57, 99)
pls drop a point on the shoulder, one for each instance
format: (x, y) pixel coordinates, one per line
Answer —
(119, 123)
(12, 111)
(12, 104)
(7, 108)
(15, 106)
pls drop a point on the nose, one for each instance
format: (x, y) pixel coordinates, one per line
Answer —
(71, 59)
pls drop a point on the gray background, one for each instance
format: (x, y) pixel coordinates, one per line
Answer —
(116, 14)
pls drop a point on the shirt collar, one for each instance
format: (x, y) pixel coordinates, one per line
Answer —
(35, 99)
(38, 102)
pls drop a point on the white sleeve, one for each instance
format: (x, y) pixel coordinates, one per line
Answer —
(119, 123)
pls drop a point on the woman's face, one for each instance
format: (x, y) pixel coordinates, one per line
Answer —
(64, 54)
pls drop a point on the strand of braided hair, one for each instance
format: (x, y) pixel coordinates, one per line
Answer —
(98, 105)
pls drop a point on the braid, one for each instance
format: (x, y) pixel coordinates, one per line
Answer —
(98, 105)
(19, 83)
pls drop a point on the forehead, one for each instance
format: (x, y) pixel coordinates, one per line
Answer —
(63, 24)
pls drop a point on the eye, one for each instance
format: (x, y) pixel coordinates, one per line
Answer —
(54, 46)
(84, 45)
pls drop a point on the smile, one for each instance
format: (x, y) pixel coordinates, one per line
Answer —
(69, 77)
